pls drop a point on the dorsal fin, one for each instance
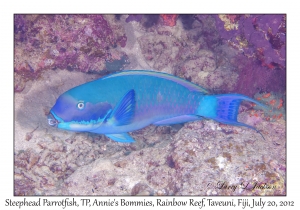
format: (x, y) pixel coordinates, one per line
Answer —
(187, 84)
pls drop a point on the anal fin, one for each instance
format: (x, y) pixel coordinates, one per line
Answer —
(121, 137)
(178, 119)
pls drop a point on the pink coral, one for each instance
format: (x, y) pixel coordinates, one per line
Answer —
(169, 20)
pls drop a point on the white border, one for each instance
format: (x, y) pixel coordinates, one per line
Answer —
(8, 8)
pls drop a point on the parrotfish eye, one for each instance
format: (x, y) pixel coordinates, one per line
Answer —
(80, 105)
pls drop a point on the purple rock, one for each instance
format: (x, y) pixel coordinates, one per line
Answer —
(136, 18)
(269, 21)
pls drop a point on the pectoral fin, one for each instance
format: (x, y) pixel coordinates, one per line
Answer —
(123, 113)
(121, 137)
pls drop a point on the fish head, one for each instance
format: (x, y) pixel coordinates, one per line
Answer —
(78, 112)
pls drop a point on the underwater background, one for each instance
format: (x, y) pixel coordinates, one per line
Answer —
(223, 53)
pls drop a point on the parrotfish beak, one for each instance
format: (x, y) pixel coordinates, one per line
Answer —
(51, 120)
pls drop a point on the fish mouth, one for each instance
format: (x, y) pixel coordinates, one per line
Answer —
(51, 120)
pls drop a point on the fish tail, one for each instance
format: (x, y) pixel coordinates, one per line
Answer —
(224, 108)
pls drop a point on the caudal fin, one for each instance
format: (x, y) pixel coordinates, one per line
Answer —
(224, 108)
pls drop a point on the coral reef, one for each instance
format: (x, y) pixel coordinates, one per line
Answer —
(223, 53)
(254, 78)
(202, 69)
(261, 38)
(74, 42)
(159, 50)
(194, 159)
(276, 102)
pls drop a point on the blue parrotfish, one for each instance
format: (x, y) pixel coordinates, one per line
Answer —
(130, 100)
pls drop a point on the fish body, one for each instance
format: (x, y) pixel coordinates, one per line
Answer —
(131, 100)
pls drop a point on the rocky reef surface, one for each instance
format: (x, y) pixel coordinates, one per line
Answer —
(54, 53)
